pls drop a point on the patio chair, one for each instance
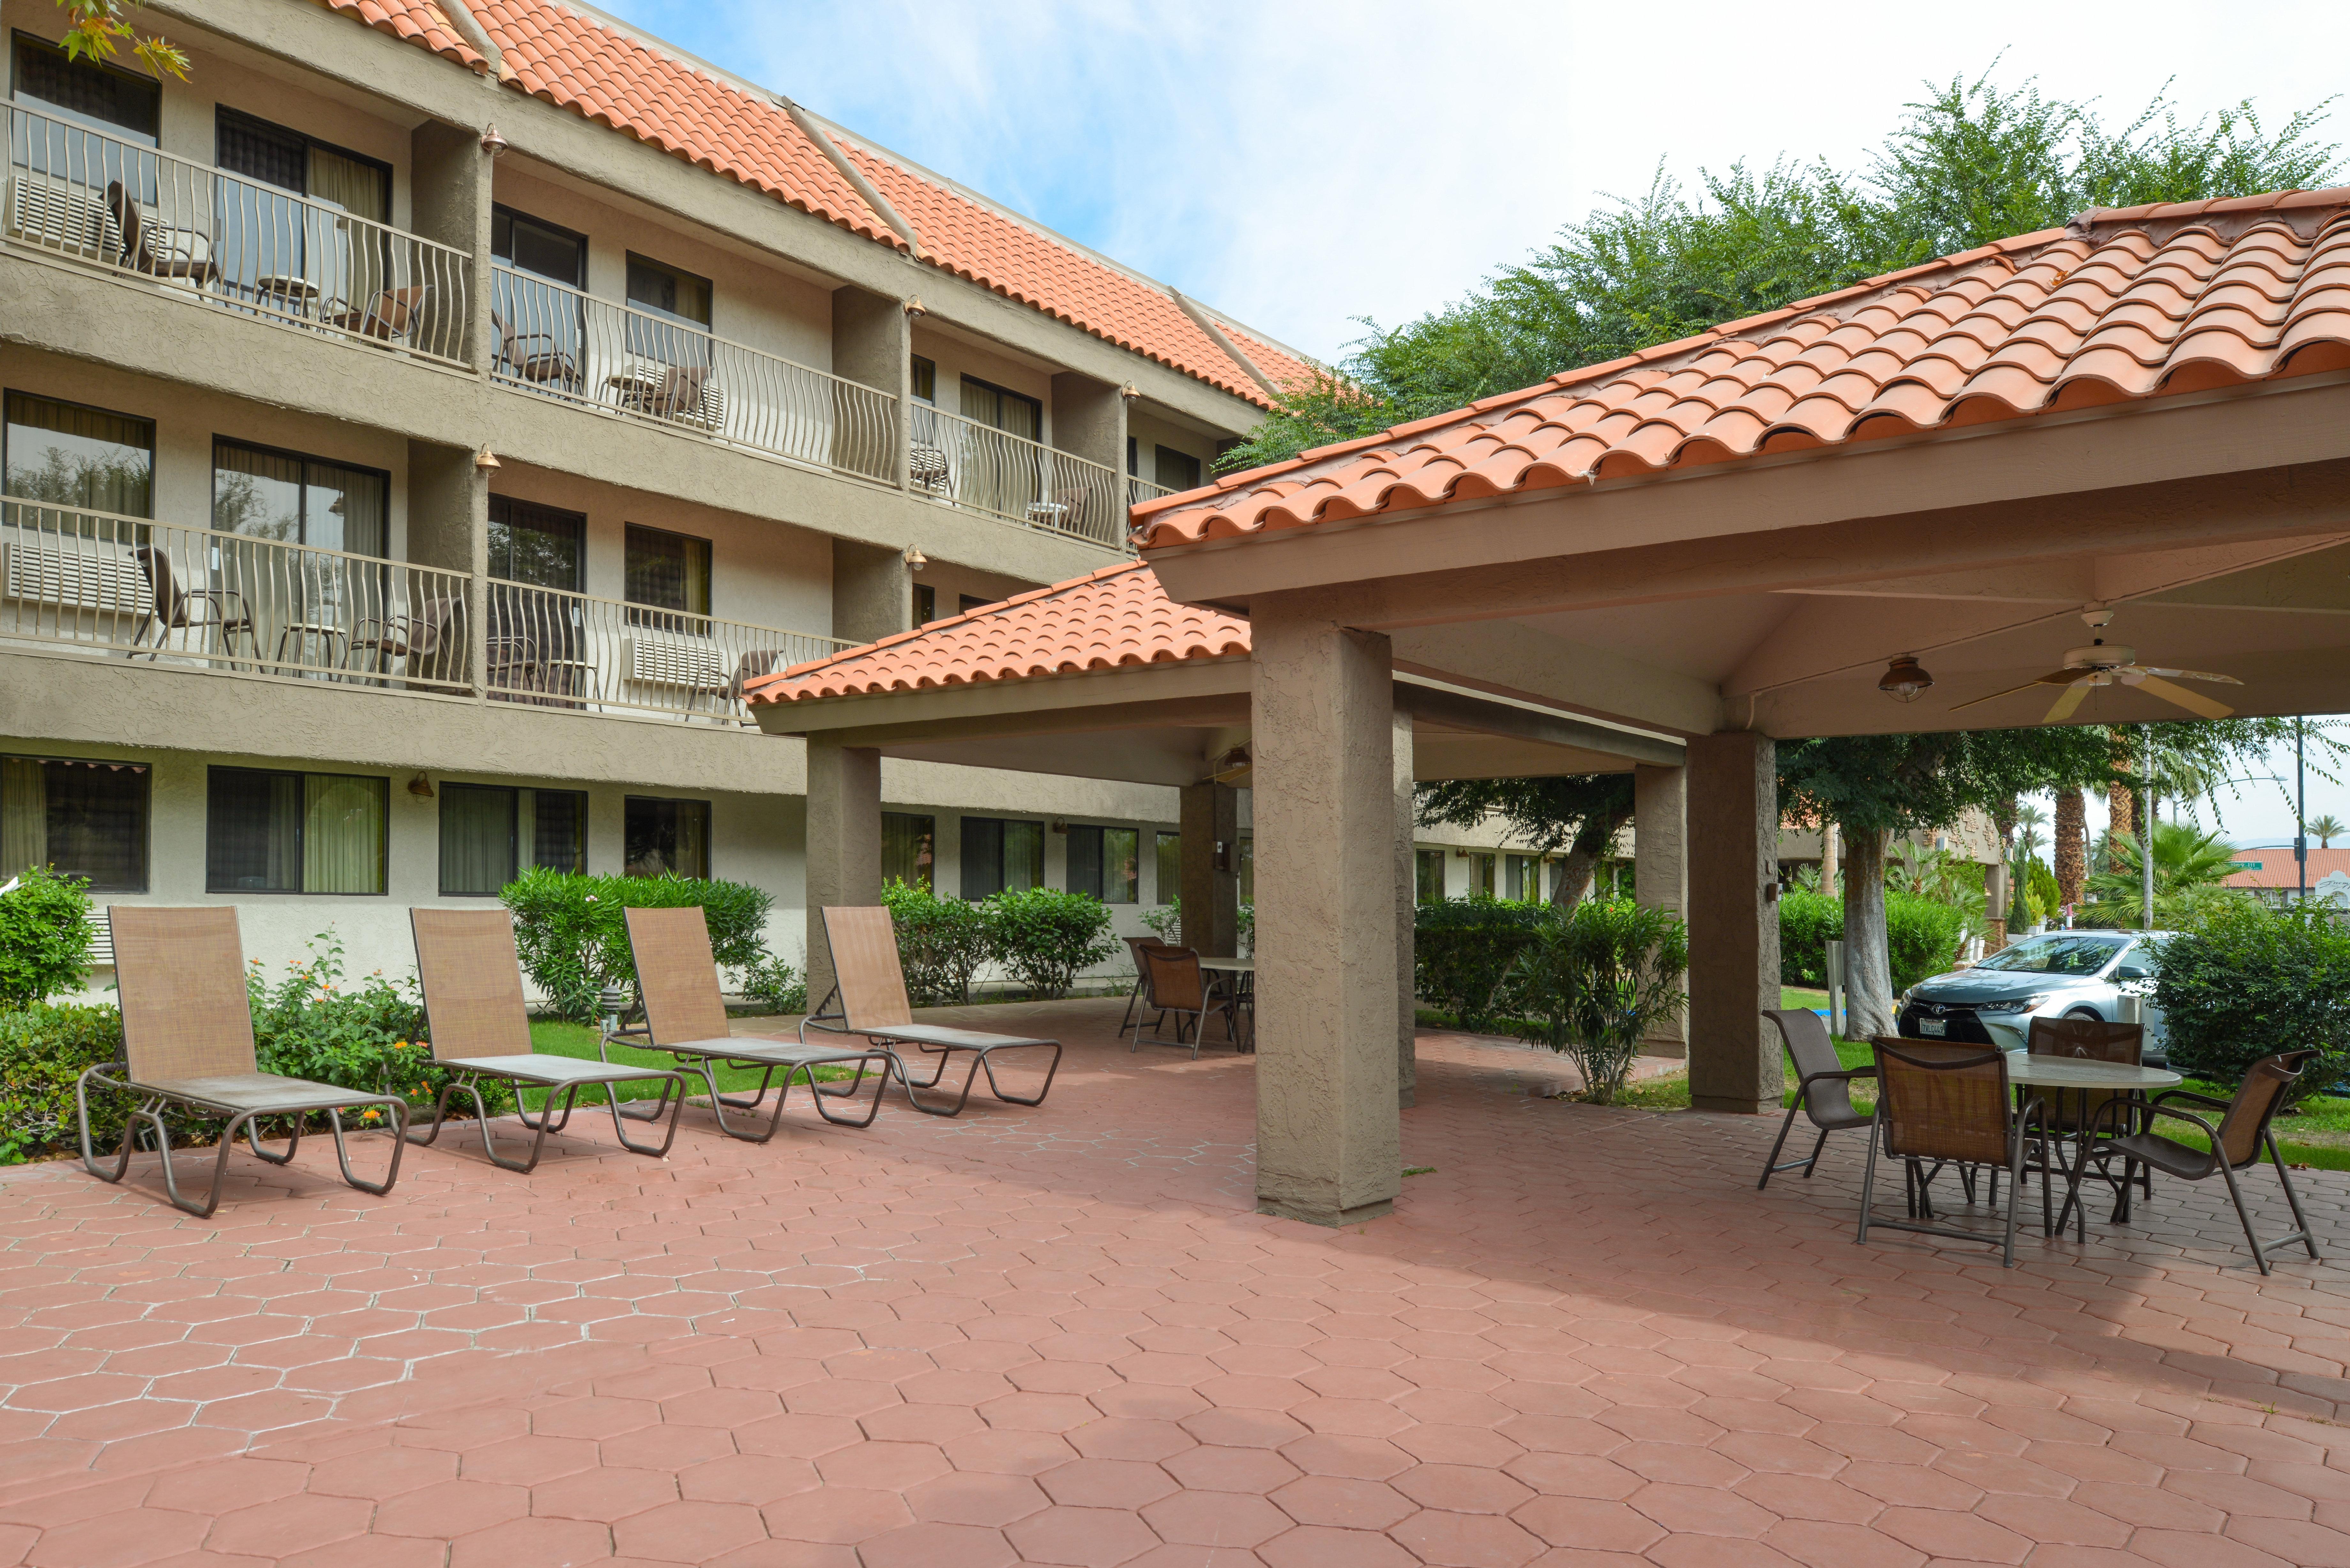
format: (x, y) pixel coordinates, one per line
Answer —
(157, 250)
(685, 1013)
(870, 988)
(2076, 1110)
(1950, 1105)
(471, 975)
(1824, 1089)
(187, 1041)
(2242, 1132)
(175, 608)
(552, 364)
(388, 318)
(1136, 946)
(1178, 988)
(430, 638)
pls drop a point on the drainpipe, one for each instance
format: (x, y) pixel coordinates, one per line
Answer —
(1216, 335)
(849, 172)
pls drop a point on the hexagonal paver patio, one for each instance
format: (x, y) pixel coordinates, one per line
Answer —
(1062, 1335)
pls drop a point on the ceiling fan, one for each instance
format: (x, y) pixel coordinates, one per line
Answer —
(2115, 664)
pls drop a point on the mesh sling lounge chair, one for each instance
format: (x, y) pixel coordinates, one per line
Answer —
(1178, 988)
(870, 987)
(2242, 1132)
(1825, 1090)
(187, 1041)
(471, 979)
(685, 1015)
(1949, 1103)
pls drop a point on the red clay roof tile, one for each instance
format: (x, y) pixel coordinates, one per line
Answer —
(421, 22)
(2123, 304)
(1113, 619)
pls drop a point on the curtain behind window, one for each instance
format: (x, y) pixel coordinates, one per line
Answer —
(253, 831)
(477, 840)
(668, 571)
(24, 815)
(1121, 865)
(96, 824)
(358, 189)
(1171, 869)
(906, 847)
(345, 508)
(1024, 856)
(554, 826)
(343, 833)
(257, 492)
(73, 456)
(1084, 874)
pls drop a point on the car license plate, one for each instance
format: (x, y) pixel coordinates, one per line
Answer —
(1932, 1027)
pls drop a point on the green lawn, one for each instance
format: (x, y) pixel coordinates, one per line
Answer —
(561, 1039)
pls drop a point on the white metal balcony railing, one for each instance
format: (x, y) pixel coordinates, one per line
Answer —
(1138, 490)
(568, 345)
(231, 242)
(560, 649)
(104, 584)
(981, 469)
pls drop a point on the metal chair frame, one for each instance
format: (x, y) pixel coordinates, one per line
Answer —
(1826, 1118)
(2022, 1120)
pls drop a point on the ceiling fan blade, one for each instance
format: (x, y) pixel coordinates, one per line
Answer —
(2065, 677)
(2067, 701)
(2180, 697)
(2197, 675)
(1995, 696)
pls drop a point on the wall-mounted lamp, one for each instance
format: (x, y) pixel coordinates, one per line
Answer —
(1059, 827)
(487, 460)
(1129, 391)
(491, 142)
(915, 307)
(915, 560)
(420, 786)
(1905, 679)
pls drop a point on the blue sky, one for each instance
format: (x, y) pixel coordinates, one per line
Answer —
(1300, 164)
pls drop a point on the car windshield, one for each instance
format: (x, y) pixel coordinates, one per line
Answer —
(2069, 954)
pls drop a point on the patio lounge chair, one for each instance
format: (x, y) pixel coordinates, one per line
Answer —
(187, 1041)
(472, 979)
(1949, 1103)
(1823, 1091)
(181, 254)
(2243, 1131)
(871, 992)
(1178, 988)
(685, 1015)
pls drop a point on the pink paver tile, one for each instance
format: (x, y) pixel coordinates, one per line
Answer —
(1081, 1537)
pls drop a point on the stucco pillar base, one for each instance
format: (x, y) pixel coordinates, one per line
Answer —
(1733, 922)
(1334, 1218)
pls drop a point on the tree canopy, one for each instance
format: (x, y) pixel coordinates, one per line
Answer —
(1970, 162)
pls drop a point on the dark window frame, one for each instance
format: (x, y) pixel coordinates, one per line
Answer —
(678, 275)
(922, 372)
(222, 114)
(306, 458)
(928, 832)
(926, 604)
(1002, 391)
(19, 37)
(514, 215)
(519, 859)
(1089, 870)
(301, 831)
(579, 519)
(1161, 454)
(146, 773)
(969, 874)
(642, 612)
(9, 393)
(708, 827)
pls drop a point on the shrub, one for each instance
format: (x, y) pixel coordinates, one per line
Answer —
(942, 942)
(43, 1050)
(774, 983)
(44, 937)
(1046, 936)
(575, 941)
(1808, 922)
(1600, 978)
(1166, 923)
(1462, 949)
(371, 1036)
(2248, 981)
(1921, 936)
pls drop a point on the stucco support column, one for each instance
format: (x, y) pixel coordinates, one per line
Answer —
(1734, 921)
(1660, 869)
(872, 344)
(1322, 735)
(843, 844)
(1211, 824)
(1407, 910)
(1089, 422)
(872, 592)
(449, 202)
(448, 527)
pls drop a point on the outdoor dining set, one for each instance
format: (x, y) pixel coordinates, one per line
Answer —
(2078, 1105)
(1184, 990)
(188, 1042)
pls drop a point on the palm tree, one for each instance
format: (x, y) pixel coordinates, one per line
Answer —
(2325, 829)
(2188, 865)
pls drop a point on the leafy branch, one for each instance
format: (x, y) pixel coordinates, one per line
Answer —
(96, 29)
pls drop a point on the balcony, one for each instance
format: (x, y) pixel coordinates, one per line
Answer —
(998, 474)
(107, 585)
(230, 242)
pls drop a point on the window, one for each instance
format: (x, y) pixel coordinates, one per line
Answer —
(1178, 470)
(1106, 862)
(925, 381)
(908, 847)
(73, 456)
(84, 818)
(1171, 869)
(299, 499)
(126, 104)
(293, 162)
(531, 245)
(294, 833)
(1133, 458)
(542, 546)
(1428, 875)
(1002, 408)
(926, 604)
(1521, 878)
(668, 838)
(971, 602)
(269, 246)
(1000, 856)
(1247, 870)
(667, 571)
(1481, 876)
(489, 833)
(672, 291)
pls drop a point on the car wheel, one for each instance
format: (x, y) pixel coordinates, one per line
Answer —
(2088, 1013)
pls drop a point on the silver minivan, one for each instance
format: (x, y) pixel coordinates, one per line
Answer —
(2058, 974)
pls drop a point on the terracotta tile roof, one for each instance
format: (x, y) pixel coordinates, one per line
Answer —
(597, 71)
(421, 22)
(2277, 868)
(1112, 619)
(1285, 369)
(2121, 305)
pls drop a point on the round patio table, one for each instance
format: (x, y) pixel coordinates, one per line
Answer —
(2068, 1075)
(1243, 973)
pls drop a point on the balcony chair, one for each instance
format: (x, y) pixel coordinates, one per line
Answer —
(181, 254)
(1824, 1090)
(682, 393)
(470, 977)
(869, 986)
(187, 1041)
(174, 609)
(431, 637)
(388, 318)
(1950, 1105)
(552, 366)
(2243, 1131)
(683, 1012)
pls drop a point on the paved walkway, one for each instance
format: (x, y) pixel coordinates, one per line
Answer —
(1062, 1336)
